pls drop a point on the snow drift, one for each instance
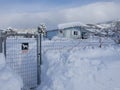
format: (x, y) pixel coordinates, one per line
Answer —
(81, 69)
(8, 79)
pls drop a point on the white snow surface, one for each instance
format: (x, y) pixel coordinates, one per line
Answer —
(90, 68)
(71, 24)
(8, 79)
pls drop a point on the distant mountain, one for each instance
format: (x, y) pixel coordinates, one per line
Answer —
(105, 26)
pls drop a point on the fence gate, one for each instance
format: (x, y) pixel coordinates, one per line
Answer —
(21, 56)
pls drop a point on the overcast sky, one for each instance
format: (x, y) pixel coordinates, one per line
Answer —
(30, 13)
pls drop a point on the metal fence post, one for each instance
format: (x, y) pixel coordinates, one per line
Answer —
(1, 48)
(1, 44)
(41, 31)
(38, 57)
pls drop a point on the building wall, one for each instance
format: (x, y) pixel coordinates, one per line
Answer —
(74, 33)
(67, 34)
(51, 34)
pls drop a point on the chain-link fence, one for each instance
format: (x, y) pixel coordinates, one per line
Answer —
(21, 52)
(68, 44)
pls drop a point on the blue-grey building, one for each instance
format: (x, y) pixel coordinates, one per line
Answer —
(51, 33)
(74, 30)
(69, 30)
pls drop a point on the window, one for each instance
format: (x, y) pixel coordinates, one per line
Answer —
(75, 32)
(61, 31)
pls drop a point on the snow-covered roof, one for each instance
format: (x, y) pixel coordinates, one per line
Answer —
(72, 24)
(27, 31)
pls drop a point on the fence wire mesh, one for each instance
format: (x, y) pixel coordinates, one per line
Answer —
(73, 44)
(21, 54)
(23, 60)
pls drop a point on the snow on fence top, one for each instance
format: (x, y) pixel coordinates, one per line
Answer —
(32, 31)
(72, 24)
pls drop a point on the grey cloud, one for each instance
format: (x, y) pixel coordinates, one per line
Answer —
(92, 13)
(96, 12)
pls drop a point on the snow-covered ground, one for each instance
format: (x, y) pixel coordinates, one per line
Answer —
(71, 65)
(8, 79)
(89, 68)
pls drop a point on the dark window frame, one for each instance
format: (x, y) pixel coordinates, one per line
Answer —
(75, 33)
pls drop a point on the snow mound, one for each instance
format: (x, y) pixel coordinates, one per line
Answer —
(72, 24)
(8, 79)
(81, 69)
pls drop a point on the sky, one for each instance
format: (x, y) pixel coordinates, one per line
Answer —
(24, 14)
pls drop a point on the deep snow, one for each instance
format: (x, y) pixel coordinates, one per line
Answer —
(8, 79)
(89, 68)
(72, 65)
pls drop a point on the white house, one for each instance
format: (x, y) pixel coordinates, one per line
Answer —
(75, 30)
